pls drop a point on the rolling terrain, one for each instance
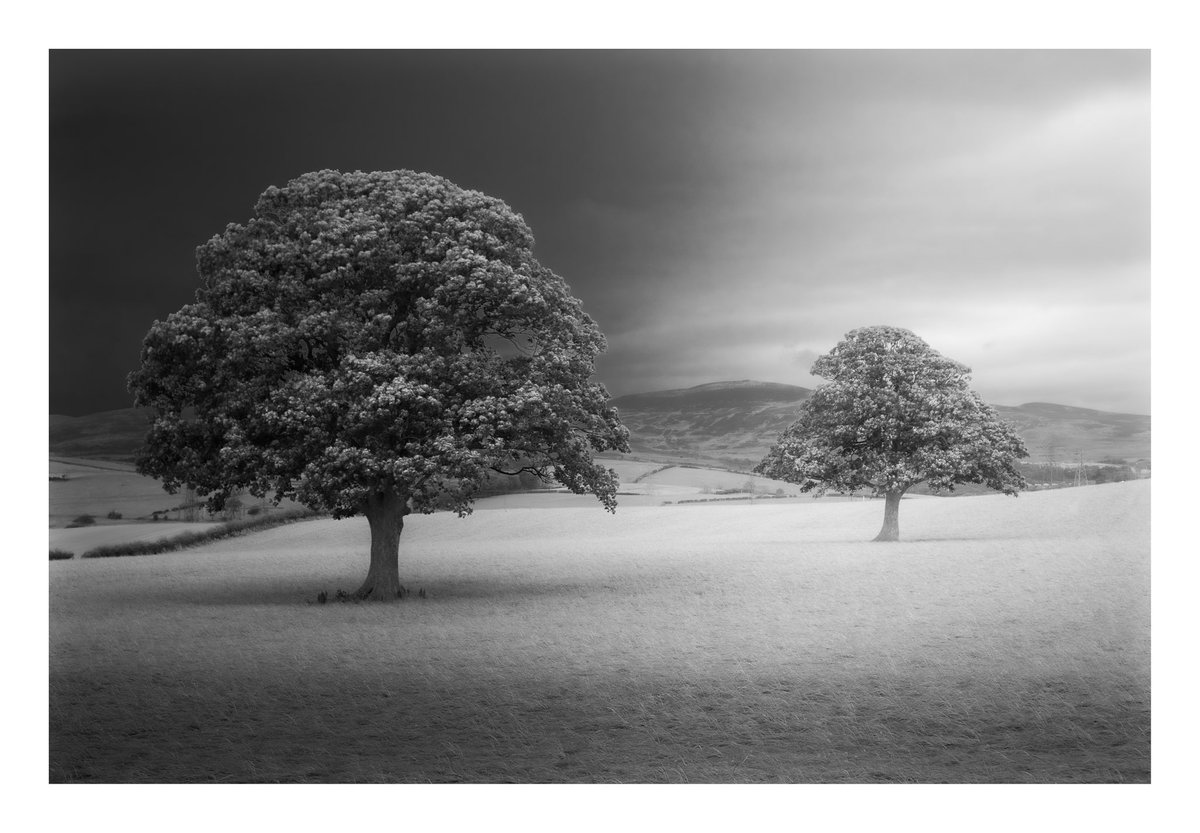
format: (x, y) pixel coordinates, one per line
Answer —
(1002, 640)
(98, 487)
(108, 435)
(120, 501)
(722, 425)
(1057, 433)
(718, 628)
(732, 424)
(726, 424)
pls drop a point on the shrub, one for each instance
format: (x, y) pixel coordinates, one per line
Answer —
(114, 515)
(232, 510)
(59, 555)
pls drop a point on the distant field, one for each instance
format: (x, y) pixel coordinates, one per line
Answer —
(658, 484)
(97, 487)
(707, 481)
(1005, 640)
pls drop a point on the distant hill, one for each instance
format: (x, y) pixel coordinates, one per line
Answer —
(723, 424)
(732, 424)
(715, 395)
(727, 424)
(1057, 433)
(108, 435)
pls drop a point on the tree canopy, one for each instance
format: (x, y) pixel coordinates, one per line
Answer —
(893, 414)
(372, 338)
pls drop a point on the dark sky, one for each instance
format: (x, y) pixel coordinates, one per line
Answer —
(723, 215)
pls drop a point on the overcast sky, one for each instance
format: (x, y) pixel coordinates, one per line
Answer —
(723, 215)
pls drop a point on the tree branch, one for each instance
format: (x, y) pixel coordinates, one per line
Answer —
(540, 471)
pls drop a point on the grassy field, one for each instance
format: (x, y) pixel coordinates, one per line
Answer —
(98, 487)
(655, 484)
(1004, 641)
(84, 538)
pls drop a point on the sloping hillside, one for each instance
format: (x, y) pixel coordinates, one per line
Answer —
(727, 424)
(108, 435)
(716, 395)
(1057, 433)
(722, 424)
(732, 424)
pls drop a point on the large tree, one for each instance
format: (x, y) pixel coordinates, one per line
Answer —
(893, 414)
(375, 344)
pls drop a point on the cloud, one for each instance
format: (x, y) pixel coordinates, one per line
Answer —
(986, 212)
(720, 213)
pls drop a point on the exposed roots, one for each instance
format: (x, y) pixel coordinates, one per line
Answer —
(368, 594)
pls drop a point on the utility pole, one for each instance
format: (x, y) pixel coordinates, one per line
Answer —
(1052, 458)
(1080, 475)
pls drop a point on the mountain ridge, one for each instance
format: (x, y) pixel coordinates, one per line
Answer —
(732, 424)
(727, 424)
(713, 393)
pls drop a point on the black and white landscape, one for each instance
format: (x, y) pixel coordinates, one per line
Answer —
(341, 298)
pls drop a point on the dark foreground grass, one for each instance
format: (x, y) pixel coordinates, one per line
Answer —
(1008, 642)
(357, 727)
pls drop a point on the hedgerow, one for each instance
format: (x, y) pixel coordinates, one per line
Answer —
(194, 539)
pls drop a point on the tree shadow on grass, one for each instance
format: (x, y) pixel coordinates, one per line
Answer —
(836, 540)
(437, 589)
(939, 539)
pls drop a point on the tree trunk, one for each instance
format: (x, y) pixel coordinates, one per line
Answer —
(891, 517)
(385, 513)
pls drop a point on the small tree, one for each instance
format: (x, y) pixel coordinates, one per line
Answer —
(894, 413)
(375, 343)
(232, 510)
